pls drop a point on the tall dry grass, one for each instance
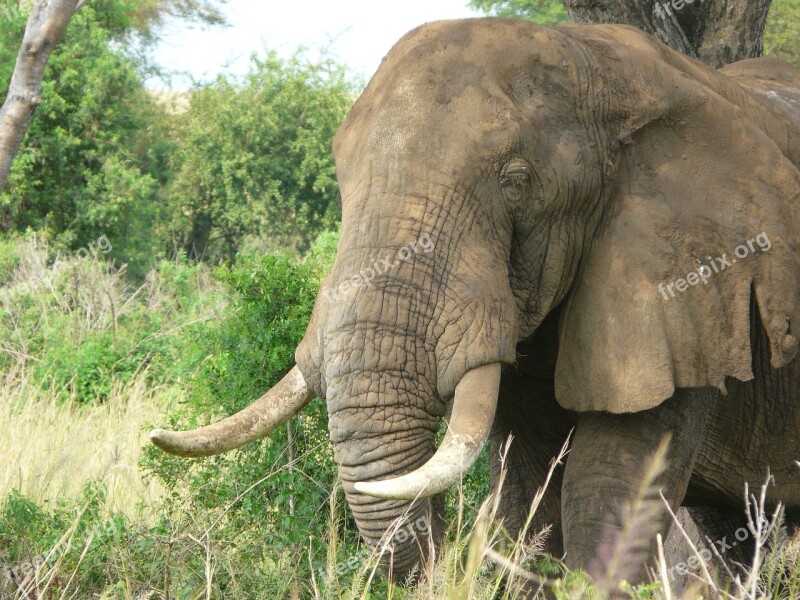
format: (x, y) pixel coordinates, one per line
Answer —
(477, 562)
(50, 448)
(482, 563)
(52, 443)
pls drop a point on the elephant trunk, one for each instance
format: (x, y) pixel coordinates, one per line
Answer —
(380, 428)
(383, 429)
(389, 351)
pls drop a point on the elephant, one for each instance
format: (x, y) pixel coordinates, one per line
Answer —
(611, 250)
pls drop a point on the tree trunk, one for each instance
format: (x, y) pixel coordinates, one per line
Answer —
(716, 32)
(46, 25)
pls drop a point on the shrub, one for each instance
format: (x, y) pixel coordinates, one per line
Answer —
(272, 493)
(9, 258)
(253, 167)
(86, 166)
(81, 324)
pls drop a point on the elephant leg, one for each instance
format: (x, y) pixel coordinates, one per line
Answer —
(712, 531)
(606, 465)
(539, 427)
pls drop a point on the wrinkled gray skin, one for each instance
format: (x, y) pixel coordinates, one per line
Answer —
(562, 174)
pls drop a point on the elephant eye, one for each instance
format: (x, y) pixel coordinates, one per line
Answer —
(516, 173)
(515, 179)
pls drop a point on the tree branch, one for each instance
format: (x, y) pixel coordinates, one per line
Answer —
(45, 28)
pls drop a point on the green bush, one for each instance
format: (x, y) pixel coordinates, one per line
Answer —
(253, 168)
(81, 547)
(9, 258)
(780, 35)
(264, 508)
(56, 538)
(541, 12)
(273, 504)
(87, 166)
(80, 325)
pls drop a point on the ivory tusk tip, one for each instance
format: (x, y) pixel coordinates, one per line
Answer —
(171, 443)
(161, 438)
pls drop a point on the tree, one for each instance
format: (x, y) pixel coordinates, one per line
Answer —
(46, 26)
(715, 31)
(95, 152)
(86, 167)
(148, 16)
(543, 12)
(782, 37)
(254, 158)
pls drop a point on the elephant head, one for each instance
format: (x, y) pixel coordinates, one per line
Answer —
(492, 172)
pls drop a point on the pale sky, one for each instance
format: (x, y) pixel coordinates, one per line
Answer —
(359, 33)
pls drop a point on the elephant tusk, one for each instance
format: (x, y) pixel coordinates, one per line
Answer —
(273, 409)
(473, 412)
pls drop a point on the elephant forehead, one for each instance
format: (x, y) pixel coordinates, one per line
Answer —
(430, 130)
(456, 121)
(488, 42)
(449, 90)
(455, 79)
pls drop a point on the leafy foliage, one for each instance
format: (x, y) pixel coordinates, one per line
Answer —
(273, 491)
(781, 36)
(248, 165)
(83, 327)
(265, 502)
(148, 16)
(9, 257)
(543, 12)
(254, 158)
(80, 544)
(84, 167)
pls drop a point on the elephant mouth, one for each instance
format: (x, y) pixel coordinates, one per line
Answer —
(474, 405)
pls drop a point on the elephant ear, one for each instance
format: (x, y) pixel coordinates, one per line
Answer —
(655, 306)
